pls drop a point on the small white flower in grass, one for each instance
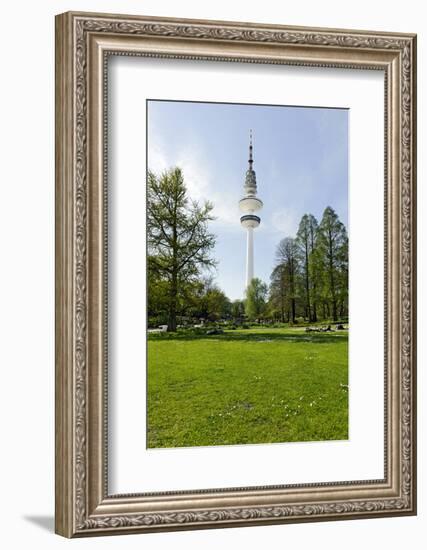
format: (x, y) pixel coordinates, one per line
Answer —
(301, 398)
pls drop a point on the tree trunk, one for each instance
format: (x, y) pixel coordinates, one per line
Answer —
(314, 313)
(282, 299)
(292, 288)
(334, 311)
(173, 298)
(332, 280)
(174, 274)
(307, 283)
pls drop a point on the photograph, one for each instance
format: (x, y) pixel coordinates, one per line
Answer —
(247, 274)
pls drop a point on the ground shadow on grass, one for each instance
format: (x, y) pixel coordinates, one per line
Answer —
(264, 336)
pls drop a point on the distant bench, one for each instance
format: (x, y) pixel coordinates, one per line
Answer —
(160, 328)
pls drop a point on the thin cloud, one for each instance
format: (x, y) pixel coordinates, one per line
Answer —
(285, 221)
(199, 176)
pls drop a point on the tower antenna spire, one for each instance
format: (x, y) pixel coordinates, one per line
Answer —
(251, 160)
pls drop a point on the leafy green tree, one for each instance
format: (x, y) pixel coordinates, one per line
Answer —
(278, 292)
(157, 298)
(287, 257)
(237, 309)
(342, 279)
(214, 304)
(179, 243)
(315, 275)
(256, 296)
(219, 306)
(305, 242)
(332, 255)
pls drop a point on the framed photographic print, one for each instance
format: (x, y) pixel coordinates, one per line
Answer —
(235, 274)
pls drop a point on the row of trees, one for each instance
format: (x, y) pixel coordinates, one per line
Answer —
(310, 278)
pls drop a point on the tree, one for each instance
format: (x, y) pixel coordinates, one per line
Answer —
(305, 242)
(287, 257)
(237, 309)
(313, 225)
(332, 251)
(256, 295)
(218, 305)
(179, 243)
(157, 298)
(278, 291)
(213, 304)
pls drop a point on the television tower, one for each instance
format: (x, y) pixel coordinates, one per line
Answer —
(250, 204)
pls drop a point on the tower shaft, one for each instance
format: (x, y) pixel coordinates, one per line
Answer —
(249, 255)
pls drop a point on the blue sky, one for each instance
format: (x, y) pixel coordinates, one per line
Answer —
(300, 159)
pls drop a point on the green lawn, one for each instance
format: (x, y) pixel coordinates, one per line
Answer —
(247, 386)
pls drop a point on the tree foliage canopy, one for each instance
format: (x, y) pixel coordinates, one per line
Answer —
(256, 295)
(310, 278)
(179, 242)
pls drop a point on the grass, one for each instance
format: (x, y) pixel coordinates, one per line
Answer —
(260, 385)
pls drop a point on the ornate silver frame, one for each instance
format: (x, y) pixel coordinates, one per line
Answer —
(83, 42)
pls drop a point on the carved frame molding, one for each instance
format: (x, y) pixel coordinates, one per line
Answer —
(83, 42)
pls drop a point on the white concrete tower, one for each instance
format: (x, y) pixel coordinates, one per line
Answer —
(250, 204)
